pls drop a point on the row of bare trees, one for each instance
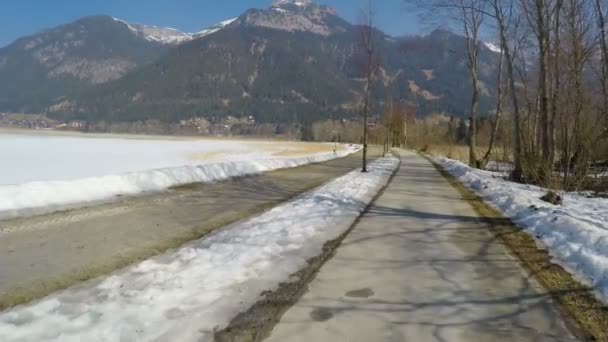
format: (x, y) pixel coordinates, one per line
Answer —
(394, 123)
(552, 81)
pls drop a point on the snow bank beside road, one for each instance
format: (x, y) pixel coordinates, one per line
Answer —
(575, 233)
(48, 196)
(185, 295)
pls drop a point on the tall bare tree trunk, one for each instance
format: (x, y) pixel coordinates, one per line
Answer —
(537, 130)
(473, 120)
(517, 173)
(388, 113)
(405, 130)
(496, 123)
(472, 17)
(604, 51)
(367, 46)
(556, 79)
(365, 116)
(543, 61)
(473, 162)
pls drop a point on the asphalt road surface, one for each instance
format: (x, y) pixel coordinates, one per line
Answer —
(421, 266)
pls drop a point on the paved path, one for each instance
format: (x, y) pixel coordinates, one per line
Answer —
(419, 266)
(40, 254)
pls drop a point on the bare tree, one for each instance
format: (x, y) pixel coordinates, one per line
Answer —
(562, 113)
(388, 118)
(503, 14)
(366, 52)
(540, 13)
(472, 12)
(395, 122)
(601, 22)
(496, 123)
(468, 14)
(556, 84)
(577, 128)
(542, 33)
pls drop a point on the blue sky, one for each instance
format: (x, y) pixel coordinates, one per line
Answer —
(23, 17)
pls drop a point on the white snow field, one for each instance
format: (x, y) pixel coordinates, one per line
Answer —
(41, 173)
(184, 295)
(575, 233)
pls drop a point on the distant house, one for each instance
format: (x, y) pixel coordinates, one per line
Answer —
(199, 123)
(231, 120)
(245, 120)
(76, 124)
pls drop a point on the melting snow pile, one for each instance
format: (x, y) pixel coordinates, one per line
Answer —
(185, 295)
(575, 233)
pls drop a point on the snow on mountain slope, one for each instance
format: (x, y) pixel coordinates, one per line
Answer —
(212, 29)
(493, 47)
(300, 3)
(168, 35)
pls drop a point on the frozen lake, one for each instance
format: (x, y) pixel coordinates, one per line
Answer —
(42, 173)
(40, 157)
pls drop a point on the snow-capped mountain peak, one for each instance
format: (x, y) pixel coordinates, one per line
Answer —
(168, 35)
(296, 15)
(300, 3)
(164, 35)
(212, 29)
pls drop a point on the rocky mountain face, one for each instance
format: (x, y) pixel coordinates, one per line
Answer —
(41, 68)
(297, 16)
(48, 67)
(294, 61)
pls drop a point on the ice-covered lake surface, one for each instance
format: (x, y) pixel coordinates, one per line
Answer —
(39, 157)
(42, 173)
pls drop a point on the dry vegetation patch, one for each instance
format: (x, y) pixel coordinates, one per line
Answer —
(297, 149)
